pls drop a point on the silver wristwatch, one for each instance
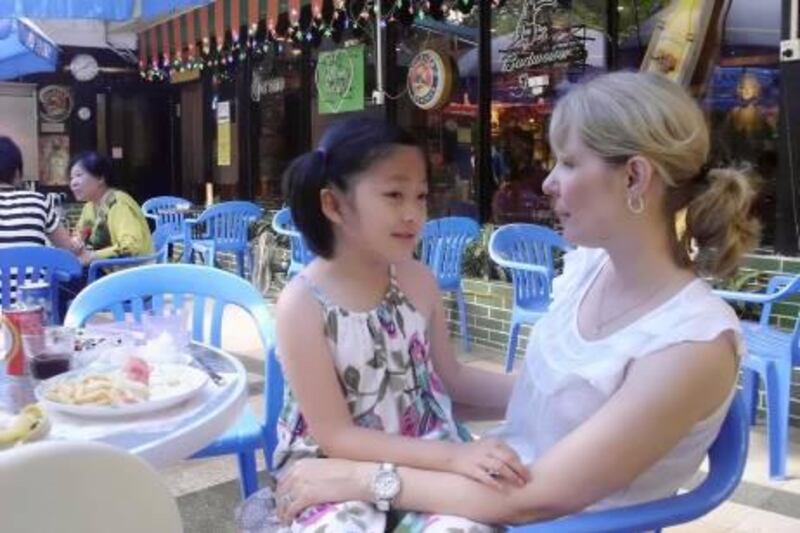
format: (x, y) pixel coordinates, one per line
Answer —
(385, 486)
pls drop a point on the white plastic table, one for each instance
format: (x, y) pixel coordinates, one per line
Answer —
(163, 437)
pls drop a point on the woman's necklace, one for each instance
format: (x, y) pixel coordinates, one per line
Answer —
(601, 323)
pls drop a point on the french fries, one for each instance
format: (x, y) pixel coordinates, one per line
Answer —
(98, 389)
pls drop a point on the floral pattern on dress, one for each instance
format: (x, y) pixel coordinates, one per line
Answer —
(383, 364)
(382, 360)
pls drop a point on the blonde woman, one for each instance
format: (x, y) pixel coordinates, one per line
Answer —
(629, 376)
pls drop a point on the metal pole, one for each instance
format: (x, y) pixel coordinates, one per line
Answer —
(378, 94)
(484, 144)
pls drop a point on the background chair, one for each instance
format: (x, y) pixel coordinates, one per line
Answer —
(727, 458)
(221, 228)
(161, 237)
(300, 254)
(160, 287)
(772, 353)
(526, 251)
(167, 210)
(82, 487)
(442, 246)
(38, 263)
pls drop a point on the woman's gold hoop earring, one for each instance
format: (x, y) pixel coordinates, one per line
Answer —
(636, 205)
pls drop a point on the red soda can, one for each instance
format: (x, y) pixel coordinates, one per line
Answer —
(14, 323)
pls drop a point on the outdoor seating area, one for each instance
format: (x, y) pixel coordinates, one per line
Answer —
(204, 295)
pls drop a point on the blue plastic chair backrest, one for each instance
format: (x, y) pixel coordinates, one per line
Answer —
(442, 245)
(228, 222)
(283, 224)
(791, 286)
(167, 210)
(727, 457)
(529, 244)
(160, 288)
(39, 263)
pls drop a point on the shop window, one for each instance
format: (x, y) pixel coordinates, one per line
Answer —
(276, 91)
(448, 132)
(539, 49)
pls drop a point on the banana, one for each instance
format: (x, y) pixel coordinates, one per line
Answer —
(30, 424)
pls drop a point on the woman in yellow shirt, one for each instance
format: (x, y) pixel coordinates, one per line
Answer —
(111, 223)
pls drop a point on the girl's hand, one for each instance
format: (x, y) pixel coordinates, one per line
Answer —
(311, 482)
(490, 461)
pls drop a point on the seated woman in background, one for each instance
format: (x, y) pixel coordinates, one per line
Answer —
(111, 223)
(29, 218)
(629, 375)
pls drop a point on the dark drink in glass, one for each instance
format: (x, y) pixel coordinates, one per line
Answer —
(47, 365)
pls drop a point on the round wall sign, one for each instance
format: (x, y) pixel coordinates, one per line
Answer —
(56, 103)
(430, 79)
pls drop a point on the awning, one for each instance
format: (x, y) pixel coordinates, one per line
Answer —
(116, 10)
(23, 50)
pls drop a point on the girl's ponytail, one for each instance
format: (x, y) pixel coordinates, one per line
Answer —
(303, 181)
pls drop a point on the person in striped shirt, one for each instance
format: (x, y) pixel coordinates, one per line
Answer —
(27, 218)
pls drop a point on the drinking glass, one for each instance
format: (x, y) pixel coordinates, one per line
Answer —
(49, 353)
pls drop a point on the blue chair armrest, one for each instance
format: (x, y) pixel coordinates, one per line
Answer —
(652, 515)
(96, 266)
(63, 277)
(748, 297)
(507, 263)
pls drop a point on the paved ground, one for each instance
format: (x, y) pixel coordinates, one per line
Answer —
(208, 492)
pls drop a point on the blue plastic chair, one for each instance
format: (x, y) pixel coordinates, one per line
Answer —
(442, 245)
(727, 457)
(526, 251)
(39, 263)
(168, 211)
(131, 292)
(220, 228)
(772, 353)
(161, 237)
(300, 254)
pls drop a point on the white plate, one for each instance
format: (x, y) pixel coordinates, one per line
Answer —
(170, 384)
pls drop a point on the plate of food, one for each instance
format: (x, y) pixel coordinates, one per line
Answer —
(136, 387)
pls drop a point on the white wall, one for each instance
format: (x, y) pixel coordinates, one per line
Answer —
(18, 121)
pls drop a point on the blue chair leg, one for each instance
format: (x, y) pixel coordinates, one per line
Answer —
(240, 263)
(462, 318)
(512, 345)
(248, 475)
(777, 383)
(750, 393)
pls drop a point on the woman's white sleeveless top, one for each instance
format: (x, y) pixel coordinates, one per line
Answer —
(566, 378)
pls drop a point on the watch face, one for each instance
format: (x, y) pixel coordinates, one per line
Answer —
(386, 485)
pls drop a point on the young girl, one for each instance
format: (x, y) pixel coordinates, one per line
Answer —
(362, 335)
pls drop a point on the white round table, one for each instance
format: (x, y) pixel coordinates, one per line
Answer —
(163, 437)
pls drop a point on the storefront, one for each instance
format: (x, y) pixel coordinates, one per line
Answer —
(476, 82)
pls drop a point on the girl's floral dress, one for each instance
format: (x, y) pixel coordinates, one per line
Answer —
(388, 380)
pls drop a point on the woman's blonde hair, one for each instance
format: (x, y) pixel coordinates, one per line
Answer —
(624, 114)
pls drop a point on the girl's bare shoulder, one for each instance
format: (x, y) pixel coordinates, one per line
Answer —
(417, 281)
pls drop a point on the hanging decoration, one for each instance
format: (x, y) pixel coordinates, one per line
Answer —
(226, 33)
